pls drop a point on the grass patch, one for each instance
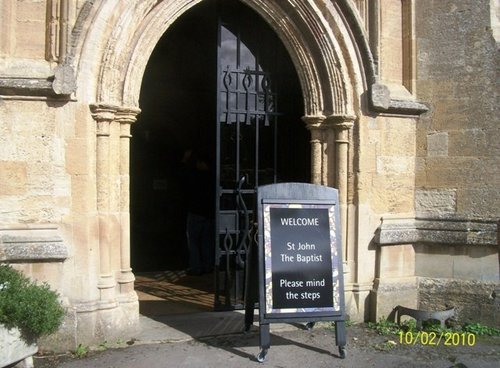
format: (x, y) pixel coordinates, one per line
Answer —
(81, 351)
(385, 327)
(481, 330)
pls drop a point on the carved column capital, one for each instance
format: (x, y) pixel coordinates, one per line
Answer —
(314, 122)
(127, 115)
(103, 112)
(340, 122)
(110, 112)
(346, 125)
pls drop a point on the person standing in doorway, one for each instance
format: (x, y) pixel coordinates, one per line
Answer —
(200, 212)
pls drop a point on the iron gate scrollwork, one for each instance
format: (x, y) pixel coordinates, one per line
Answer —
(247, 128)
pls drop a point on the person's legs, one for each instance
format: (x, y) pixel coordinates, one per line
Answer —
(207, 247)
(194, 230)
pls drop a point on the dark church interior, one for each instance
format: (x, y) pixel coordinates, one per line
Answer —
(178, 101)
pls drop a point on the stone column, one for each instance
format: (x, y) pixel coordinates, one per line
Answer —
(342, 125)
(114, 194)
(104, 115)
(330, 137)
(318, 156)
(126, 116)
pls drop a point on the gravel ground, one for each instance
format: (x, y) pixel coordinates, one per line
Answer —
(295, 348)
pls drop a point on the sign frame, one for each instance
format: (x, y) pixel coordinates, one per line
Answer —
(305, 196)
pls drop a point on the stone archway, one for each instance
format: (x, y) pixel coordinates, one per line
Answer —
(117, 38)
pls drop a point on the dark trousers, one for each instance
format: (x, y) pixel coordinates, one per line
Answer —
(200, 243)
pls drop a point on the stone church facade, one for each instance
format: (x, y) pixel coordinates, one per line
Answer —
(400, 102)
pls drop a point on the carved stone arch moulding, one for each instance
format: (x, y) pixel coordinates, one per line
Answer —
(316, 34)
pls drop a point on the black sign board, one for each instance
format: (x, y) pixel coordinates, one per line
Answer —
(300, 250)
(300, 277)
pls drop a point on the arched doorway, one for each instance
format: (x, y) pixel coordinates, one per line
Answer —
(220, 82)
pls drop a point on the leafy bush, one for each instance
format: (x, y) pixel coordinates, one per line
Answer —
(34, 309)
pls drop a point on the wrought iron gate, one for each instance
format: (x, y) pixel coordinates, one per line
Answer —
(247, 130)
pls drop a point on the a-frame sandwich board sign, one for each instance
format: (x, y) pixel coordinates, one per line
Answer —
(297, 273)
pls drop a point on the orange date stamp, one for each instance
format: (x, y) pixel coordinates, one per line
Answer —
(437, 338)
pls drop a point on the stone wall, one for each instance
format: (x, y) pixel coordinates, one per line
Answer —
(35, 184)
(458, 145)
(458, 156)
(474, 301)
(451, 226)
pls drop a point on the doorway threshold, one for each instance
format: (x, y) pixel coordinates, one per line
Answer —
(164, 293)
(185, 327)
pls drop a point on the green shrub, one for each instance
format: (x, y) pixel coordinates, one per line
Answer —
(34, 309)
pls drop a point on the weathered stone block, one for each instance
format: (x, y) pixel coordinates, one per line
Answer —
(469, 142)
(475, 263)
(437, 144)
(392, 193)
(454, 172)
(387, 294)
(475, 301)
(13, 177)
(77, 162)
(394, 133)
(479, 202)
(433, 261)
(397, 261)
(83, 204)
(396, 164)
(31, 35)
(435, 201)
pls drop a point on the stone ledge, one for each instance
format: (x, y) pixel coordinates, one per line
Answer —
(382, 101)
(453, 231)
(61, 84)
(26, 87)
(40, 243)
